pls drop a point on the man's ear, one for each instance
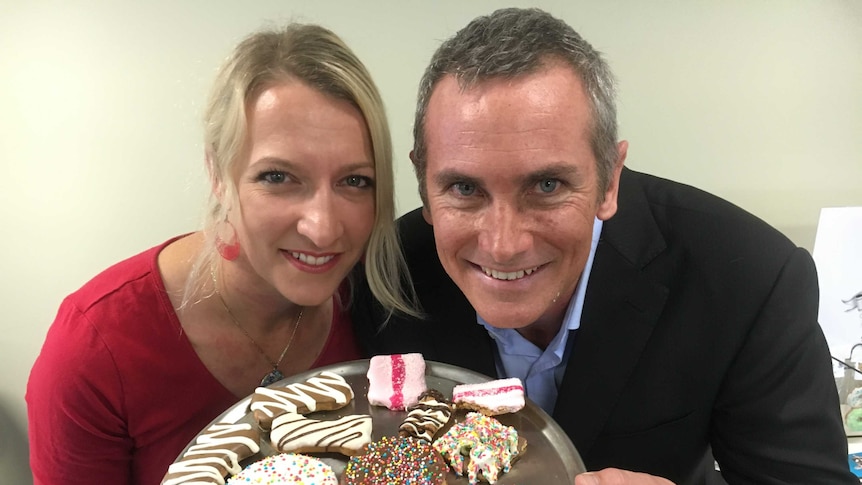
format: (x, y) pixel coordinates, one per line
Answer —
(608, 207)
(426, 213)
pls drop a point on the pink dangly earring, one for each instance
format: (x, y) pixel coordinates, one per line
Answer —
(227, 247)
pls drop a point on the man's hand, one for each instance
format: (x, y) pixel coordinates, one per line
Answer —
(615, 476)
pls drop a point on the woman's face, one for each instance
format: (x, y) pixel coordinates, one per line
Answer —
(305, 184)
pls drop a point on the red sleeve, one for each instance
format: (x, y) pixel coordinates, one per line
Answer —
(75, 410)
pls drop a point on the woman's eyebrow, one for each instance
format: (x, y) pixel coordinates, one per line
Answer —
(277, 161)
(282, 162)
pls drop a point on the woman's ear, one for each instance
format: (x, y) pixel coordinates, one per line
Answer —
(216, 184)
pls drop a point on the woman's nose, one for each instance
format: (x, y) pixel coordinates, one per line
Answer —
(319, 220)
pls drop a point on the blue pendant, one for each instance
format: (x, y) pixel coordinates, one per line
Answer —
(272, 378)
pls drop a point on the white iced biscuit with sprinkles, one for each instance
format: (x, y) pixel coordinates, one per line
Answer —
(480, 447)
(291, 468)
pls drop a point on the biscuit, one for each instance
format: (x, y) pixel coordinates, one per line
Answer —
(324, 392)
(396, 381)
(480, 447)
(490, 398)
(296, 433)
(286, 468)
(426, 417)
(395, 460)
(216, 454)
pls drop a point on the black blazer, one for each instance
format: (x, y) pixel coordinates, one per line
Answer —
(699, 330)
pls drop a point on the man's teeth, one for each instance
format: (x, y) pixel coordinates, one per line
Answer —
(513, 275)
(311, 259)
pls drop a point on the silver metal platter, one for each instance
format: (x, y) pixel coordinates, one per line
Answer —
(550, 457)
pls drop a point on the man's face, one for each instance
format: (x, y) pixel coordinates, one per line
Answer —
(512, 192)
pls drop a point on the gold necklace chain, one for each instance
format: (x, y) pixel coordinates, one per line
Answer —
(275, 372)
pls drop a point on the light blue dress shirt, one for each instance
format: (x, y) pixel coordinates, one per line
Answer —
(542, 371)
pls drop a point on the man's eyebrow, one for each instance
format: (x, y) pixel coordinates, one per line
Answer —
(446, 178)
(557, 170)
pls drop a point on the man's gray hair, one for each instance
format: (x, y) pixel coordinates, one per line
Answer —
(513, 42)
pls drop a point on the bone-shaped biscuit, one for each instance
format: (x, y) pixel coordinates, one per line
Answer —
(294, 433)
(323, 392)
(216, 453)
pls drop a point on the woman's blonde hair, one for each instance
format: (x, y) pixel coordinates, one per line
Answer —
(317, 57)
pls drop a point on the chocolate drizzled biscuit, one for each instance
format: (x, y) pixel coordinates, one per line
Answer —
(294, 433)
(216, 453)
(324, 392)
(426, 417)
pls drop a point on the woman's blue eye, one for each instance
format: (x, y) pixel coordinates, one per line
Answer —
(273, 177)
(549, 185)
(359, 181)
(465, 188)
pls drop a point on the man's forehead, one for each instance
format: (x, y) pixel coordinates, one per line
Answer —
(450, 87)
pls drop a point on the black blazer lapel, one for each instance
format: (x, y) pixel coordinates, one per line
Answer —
(621, 308)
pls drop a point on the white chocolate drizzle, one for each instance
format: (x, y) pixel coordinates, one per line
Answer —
(295, 433)
(216, 452)
(324, 391)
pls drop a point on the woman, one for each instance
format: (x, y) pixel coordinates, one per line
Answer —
(150, 351)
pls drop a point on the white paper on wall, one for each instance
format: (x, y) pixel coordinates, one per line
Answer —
(838, 255)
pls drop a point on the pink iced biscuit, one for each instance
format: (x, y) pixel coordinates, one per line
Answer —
(396, 381)
(490, 398)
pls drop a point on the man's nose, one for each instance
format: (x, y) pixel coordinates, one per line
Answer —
(504, 232)
(319, 219)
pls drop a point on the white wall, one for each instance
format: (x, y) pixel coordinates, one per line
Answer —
(759, 102)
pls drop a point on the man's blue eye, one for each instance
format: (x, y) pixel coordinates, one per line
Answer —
(549, 185)
(465, 188)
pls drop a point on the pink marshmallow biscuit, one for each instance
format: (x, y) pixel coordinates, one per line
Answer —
(490, 398)
(396, 381)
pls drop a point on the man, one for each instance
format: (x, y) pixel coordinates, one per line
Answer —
(655, 322)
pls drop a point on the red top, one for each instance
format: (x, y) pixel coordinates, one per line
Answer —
(118, 391)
